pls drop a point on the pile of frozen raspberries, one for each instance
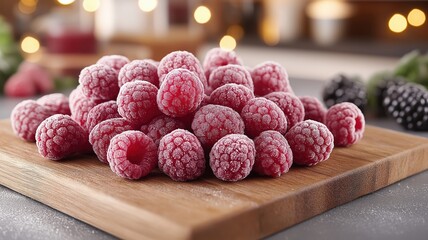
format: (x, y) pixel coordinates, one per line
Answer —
(181, 116)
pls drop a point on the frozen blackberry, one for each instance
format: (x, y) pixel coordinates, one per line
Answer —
(345, 89)
(380, 92)
(408, 105)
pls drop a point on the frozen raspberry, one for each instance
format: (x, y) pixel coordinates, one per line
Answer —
(57, 103)
(156, 63)
(137, 102)
(213, 122)
(26, 116)
(290, 105)
(311, 142)
(139, 70)
(273, 154)
(181, 156)
(99, 82)
(181, 59)
(270, 77)
(101, 112)
(232, 157)
(160, 126)
(132, 154)
(59, 136)
(180, 93)
(314, 109)
(75, 96)
(217, 57)
(260, 114)
(231, 95)
(80, 110)
(114, 61)
(18, 86)
(230, 74)
(346, 122)
(103, 132)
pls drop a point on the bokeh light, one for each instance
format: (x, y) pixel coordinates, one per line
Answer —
(91, 5)
(27, 6)
(147, 5)
(397, 23)
(66, 2)
(30, 44)
(202, 14)
(228, 43)
(269, 32)
(416, 17)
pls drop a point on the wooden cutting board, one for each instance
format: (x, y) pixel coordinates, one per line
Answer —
(157, 207)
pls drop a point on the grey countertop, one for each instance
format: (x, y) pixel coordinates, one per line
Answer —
(399, 211)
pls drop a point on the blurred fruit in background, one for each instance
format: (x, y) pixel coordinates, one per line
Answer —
(10, 57)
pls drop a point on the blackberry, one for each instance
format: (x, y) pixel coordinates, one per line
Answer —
(408, 105)
(380, 92)
(345, 89)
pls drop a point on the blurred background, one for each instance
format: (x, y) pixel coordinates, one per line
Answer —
(63, 36)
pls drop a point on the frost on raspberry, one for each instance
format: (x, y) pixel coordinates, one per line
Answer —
(260, 114)
(99, 82)
(181, 59)
(273, 154)
(290, 105)
(314, 109)
(114, 61)
(311, 142)
(103, 132)
(101, 112)
(231, 95)
(80, 110)
(230, 74)
(132, 154)
(180, 93)
(217, 57)
(57, 103)
(160, 126)
(26, 116)
(346, 122)
(137, 102)
(59, 136)
(232, 157)
(270, 77)
(213, 122)
(181, 156)
(139, 70)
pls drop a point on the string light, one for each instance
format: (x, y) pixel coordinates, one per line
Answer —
(397, 23)
(416, 17)
(30, 44)
(147, 5)
(228, 43)
(202, 14)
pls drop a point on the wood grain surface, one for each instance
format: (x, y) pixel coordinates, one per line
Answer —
(159, 208)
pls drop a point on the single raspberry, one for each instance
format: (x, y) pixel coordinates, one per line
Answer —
(231, 95)
(160, 126)
(59, 136)
(180, 93)
(137, 102)
(99, 82)
(273, 154)
(314, 109)
(57, 103)
(26, 116)
(181, 59)
(139, 70)
(80, 110)
(270, 77)
(181, 156)
(346, 122)
(217, 57)
(114, 61)
(290, 105)
(260, 114)
(213, 122)
(230, 74)
(101, 112)
(18, 85)
(132, 154)
(75, 96)
(311, 142)
(104, 131)
(232, 157)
